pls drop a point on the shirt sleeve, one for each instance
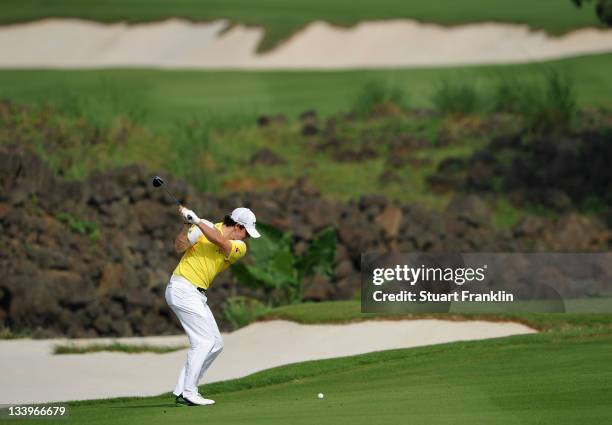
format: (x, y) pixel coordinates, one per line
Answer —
(239, 248)
(194, 233)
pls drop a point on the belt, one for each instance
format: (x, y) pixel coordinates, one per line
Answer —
(202, 290)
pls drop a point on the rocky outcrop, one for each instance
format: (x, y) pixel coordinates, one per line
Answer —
(92, 258)
(557, 172)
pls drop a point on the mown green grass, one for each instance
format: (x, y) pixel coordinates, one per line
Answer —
(281, 19)
(548, 378)
(161, 99)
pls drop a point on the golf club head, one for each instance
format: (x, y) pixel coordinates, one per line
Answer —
(157, 181)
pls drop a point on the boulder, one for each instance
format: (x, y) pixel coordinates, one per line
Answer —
(268, 120)
(389, 220)
(317, 288)
(266, 156)
(471, 208)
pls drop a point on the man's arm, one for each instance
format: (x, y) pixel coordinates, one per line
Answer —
(181, 243)
(215, 236)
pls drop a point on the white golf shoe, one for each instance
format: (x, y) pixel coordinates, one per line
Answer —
(198, 400)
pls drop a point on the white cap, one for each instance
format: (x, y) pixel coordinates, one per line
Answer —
(245, 217)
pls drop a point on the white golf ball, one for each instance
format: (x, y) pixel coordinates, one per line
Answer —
(320, 395)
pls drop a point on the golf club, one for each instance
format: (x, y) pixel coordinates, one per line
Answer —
(159, 182)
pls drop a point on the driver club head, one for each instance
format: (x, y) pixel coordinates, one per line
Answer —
(158, 181)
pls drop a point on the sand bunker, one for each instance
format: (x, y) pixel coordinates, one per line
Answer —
(66, 43)
(30, 372)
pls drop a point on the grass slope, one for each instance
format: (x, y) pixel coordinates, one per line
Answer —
(551, 378)
(281, 19)
(350, 311)
(160, 99)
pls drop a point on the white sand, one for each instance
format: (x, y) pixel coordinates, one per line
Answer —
(30, 373)
(174, 43)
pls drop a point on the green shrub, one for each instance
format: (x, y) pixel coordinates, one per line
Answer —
(376, 95)
(240, 311)
(456, 98)
(77, 225)
(278, 270)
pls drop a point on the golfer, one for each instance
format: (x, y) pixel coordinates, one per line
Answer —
(208, 250)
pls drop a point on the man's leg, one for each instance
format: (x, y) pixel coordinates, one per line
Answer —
(218, 343)
(180, 383)
(188, 307)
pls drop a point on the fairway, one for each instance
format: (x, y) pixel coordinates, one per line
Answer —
(550, 378)
(160, 99)
(281, 19)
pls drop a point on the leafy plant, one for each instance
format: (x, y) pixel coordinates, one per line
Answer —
(240, 311)
(77, 225)
(279, 270)
(319, 257)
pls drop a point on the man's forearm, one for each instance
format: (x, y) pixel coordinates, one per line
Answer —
(211, 233)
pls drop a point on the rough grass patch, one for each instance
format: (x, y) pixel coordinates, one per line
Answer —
(240, 311)
(553, 107)
(379, 96)
(115, 347)
(456, 98)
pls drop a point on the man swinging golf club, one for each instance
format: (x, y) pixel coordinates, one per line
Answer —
(208, 250)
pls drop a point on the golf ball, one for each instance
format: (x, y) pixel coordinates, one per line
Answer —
(320, 395)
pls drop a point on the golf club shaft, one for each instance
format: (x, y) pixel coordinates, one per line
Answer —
(170, 195)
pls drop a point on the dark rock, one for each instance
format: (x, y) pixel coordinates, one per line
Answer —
(268, 120)
(317, 288)
(443, 184)
(372, 200)
(309, 116)
(389, 220)
(470, 208)
(389, 176)
(49, 259)
(343, 269)
(103, 324)
(354, 155)
(266, 157)
(310, 129)
(577, 233)
(529, 227)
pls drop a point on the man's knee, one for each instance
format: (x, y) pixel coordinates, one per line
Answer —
(218, 345)
(202, 343)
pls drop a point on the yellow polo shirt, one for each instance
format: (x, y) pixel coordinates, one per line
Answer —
(204, 260)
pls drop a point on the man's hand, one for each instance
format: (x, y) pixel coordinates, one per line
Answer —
(188, 215)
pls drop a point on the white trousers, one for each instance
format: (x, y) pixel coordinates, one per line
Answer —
(205, 341)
